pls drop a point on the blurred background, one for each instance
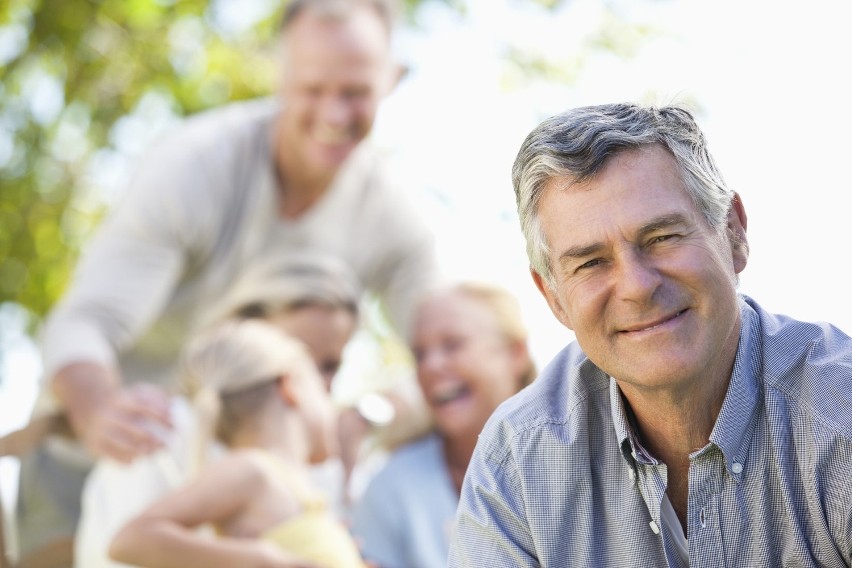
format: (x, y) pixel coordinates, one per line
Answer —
(86, 85)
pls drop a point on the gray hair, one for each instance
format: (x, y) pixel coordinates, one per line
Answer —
(578, 143)
(387, 10)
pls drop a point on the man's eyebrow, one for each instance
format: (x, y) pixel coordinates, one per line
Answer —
(580, 251)
(662, 222)
(656, 224)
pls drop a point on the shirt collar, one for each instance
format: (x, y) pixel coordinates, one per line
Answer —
(735, 424)
(625, 428)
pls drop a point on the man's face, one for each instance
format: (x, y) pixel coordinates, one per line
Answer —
(647, 286)
(336, 71)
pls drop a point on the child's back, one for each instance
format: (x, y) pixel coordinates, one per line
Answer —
(272, 411)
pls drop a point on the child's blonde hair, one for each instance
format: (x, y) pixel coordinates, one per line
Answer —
(232, 370)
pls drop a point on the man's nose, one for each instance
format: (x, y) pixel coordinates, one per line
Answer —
(637, 276)
(335, 110)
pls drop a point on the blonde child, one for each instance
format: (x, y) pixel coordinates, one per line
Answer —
(276, 418)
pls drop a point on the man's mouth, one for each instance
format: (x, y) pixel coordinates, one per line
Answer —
(332, 136)
(650, 326)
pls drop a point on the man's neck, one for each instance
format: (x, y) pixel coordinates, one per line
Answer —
(296, 194)
(298, 189)
(293, 204)
(672, 424)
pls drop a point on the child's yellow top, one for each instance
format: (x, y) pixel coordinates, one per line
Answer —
(313, 534)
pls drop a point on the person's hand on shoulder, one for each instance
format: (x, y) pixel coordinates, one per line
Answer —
(131, 424)
(111, 420)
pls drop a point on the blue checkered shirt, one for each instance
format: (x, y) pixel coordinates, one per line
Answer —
(558, 478)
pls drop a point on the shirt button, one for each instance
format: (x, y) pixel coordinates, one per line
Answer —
(737, 467)
(654, 527)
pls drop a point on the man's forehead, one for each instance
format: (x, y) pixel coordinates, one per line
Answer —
(361, 18)
(318, 47)
(384, 11)
(654, 159)
(635, 190)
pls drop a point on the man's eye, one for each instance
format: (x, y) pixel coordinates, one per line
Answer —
(356, 93)
(452, 344)
(589, 264)
(661, 239)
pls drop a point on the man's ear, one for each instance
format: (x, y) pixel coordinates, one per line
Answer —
(551, 298)
(737, 223)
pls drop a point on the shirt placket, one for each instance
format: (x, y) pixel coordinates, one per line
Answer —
(704, 524)
(652, 480)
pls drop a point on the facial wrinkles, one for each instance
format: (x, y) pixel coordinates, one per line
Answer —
(626, 291)
(657, 307)
(648, 296)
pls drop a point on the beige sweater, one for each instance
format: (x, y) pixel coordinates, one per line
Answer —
(199, 215)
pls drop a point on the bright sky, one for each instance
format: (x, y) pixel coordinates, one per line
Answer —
(768, 82)
(768, 78)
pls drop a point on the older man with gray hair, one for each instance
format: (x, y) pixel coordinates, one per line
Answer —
(686, 426)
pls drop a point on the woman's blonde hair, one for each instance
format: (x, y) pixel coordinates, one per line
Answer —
(288, 283)
(507, 312)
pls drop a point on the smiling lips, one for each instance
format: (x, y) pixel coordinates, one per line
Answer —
(449, 394)
(645, 327)
(332, 136)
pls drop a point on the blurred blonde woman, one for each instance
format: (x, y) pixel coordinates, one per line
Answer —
(470, 348)
(274, 415)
